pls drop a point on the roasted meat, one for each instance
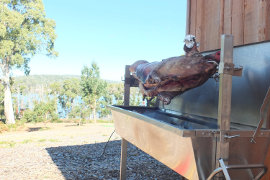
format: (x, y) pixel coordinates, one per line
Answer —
(174, 76)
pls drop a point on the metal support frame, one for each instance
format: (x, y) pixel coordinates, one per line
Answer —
(227, 70)
(225, 93)
(123, 162)
(124, 143)
(224, 134)
(225, 169)
(262, 110)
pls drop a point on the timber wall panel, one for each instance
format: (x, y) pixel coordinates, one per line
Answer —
(192, 23)
(227, 29)
(211, 28)
(199, 30)
(238, 22)
(247, 20)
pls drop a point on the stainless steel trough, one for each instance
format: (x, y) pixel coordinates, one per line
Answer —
(188, 144)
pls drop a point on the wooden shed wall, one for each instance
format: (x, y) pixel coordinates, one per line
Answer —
(247, 20)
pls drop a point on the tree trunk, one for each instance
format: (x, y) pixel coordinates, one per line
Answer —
(8, 106)
(9, 113)
(18, 102)
(94, 111)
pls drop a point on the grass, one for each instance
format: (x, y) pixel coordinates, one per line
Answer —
(53, 140)
(44, 128)
(107, 125)
(104, 121)
(19, 125)
(42, 140)
(3, 127)
(27, 141)
(7, 144)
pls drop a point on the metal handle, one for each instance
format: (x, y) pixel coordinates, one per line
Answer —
(230, 137)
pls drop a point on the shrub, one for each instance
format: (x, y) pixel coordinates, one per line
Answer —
(3, 127)
(42, 111)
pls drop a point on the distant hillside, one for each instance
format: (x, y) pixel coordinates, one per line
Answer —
(36, 82)
(42, 79)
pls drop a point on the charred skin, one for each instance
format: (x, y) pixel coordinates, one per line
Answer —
(174, 76)
(181, 68)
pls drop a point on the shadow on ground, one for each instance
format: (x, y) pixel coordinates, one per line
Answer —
(84, 162)
(34, 129)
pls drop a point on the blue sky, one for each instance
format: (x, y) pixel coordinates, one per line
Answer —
(113, 33)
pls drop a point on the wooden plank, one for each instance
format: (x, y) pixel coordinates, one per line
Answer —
(123, 162)
(267, 20)
(238, 22)
(225, 93)
(211, 25)
(192, 18)
(227, 20)
(221, 17)
(188, 17)
(200, 33)
(225, 86)
(261, 20)
(247, 20)
(264, 20)
(251, 21)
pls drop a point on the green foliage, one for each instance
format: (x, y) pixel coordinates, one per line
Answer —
(151, 102)
(116, 90)
(43, 111)
(3, 127)
(135, 97)
(25, 31)
(93, 88)
(80, 111)
(66, 92)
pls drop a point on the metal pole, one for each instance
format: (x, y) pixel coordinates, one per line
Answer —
(123, 162)
(225, 92)
(224, 169)
(127, 86)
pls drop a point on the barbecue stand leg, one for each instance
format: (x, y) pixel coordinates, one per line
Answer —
(123, 163)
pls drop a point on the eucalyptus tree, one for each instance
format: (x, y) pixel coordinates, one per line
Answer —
(24, 32)
(66, 92)
(93, 87)
(69, 92)
(1, 100)
(135, 97)
(117, 91)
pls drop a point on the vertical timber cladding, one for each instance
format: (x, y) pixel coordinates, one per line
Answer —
(247, 20)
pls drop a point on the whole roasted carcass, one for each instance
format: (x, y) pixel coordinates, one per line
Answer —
(175, 75)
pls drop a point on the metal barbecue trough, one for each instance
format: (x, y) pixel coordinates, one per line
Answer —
(196, 146)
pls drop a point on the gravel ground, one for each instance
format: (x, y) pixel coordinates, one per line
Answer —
(66, 151)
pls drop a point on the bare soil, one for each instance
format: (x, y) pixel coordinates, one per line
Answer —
(67, 151)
